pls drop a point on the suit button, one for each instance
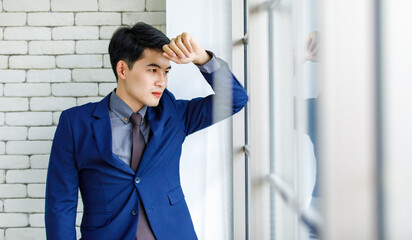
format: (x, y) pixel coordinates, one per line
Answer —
(137, 180)
(135, 212)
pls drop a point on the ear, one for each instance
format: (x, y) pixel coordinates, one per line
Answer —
(121, 69)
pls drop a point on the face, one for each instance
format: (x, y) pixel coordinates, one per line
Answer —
(145, 82)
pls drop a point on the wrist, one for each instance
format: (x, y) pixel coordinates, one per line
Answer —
(202, 58)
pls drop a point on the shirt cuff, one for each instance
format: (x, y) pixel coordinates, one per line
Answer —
(211, 66)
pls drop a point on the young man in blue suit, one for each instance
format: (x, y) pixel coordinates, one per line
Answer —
(127, 170)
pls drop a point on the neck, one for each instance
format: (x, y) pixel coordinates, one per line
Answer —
(131, 102)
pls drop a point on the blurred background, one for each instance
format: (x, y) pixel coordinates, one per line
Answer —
(320, 152)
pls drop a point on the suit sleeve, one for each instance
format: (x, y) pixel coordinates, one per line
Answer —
(62, 185)
(229, 98)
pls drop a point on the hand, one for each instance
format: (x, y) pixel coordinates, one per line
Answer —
(312, 47)
(185, 49)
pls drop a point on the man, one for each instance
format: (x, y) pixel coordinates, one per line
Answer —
(98, 147)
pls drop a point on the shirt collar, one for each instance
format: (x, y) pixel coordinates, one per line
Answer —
(122, 110)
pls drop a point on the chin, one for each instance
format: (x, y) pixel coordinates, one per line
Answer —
(153, 104)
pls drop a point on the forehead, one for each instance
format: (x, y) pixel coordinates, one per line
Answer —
(150, 56)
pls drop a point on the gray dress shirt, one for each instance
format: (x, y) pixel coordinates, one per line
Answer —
(120, 113)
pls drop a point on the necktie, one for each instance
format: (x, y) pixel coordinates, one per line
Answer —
(138, 144)
(144, 232)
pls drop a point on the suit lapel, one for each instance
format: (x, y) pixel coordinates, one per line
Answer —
(157, 118)
(103, 135)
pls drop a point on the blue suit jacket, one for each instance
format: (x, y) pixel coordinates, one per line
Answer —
(82, 157)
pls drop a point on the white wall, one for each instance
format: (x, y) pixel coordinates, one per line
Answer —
(206, 164)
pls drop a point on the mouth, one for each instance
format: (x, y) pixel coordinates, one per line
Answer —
(157, 94)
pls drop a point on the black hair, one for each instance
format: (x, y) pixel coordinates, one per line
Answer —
(128, 43)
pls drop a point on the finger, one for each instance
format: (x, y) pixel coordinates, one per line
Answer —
(181, 46)
(186, 41)
(312, 43)
(174, 59)
(175, 48)
(168, 51)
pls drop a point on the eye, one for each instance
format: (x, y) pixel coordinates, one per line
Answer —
(166, 72)
(153, 70)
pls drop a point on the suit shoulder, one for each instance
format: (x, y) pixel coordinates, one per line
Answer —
(82, 110)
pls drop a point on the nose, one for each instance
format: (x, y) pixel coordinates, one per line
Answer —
(162, 80)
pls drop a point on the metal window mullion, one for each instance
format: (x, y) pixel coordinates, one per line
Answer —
(245, 63)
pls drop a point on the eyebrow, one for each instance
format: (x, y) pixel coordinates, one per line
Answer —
(156, 65)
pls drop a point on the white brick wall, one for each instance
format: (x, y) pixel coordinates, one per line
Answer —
(51, 47)
(53, 56)
(27, 33)
(50, 19)
(24, 5)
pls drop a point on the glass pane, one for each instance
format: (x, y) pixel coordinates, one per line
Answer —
(295, 50)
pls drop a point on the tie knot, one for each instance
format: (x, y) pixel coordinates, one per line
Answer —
(136, 119)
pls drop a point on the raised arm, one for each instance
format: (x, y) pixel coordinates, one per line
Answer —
(230, 96)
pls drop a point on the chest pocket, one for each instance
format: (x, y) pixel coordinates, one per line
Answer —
(176, 195)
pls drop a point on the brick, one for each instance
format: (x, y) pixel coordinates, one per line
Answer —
(36, 220)
(51, 104)
(36, 190)
(121, 5)
(1, 33)
(56, 117)
(77, 33)
(27, 89)
(93, 75)
(25, 233)
(39, 161)
(97, 18)
(12, 19)
(55, 75)
(7, 76)
(14, 162)
(92, 46)
(1, 118)
(4, 62)
(13, 47)
(28, 147)
(74, 5)
(106, 32)
(27, 33)
(29, 119)
(1, 230)
(24, 205)
(106, 62)
(50, 19)
(29, 62)
(12, 191)
(51, 47)
(13, 220)
(75, 89)
(26, 6)
(14, 104)
(82, 101)
(13, 133)
(26, 176)
(156, 5)
(2, 173)
(106, 88)
(41, 133)
(79, 61)
(1, 89)
(152, 18)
